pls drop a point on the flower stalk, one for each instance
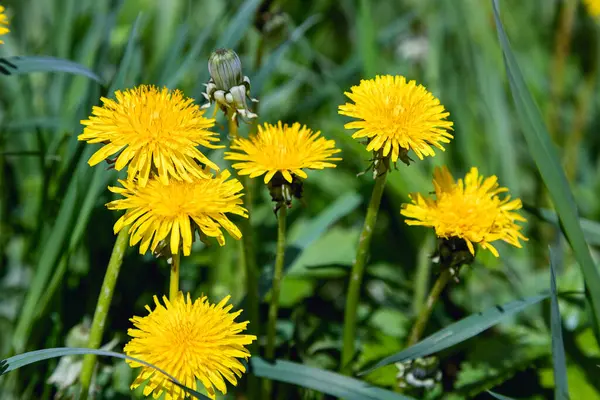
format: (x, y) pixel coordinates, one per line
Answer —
(102, 307)
(425, 313)
(174, 278)
(356, 275)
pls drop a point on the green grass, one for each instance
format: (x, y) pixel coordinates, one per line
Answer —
(56, 234)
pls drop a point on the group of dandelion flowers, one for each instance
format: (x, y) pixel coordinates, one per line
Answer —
(173, 193)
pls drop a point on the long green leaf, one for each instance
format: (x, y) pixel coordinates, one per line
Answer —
(591, 229)
(21, 360)
(320, 380)
(459, 331)
(548, 163)
(561, 391)
(238, 25)
(19, 65)
(499, 396)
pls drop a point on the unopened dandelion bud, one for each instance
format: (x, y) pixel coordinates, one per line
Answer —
(225, 69)
(228, 87)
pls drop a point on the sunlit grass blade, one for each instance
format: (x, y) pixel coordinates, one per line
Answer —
(459, 331)
(366, 40)
(561, 391)
(499, 396)
(275, 57)
(548, 163)
(21, 360)
(238, 25)
(320, 380)
(19, 65)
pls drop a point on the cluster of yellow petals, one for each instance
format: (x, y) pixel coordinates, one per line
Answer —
(3, 23)
(593, 7)
(469, 209)
(396, 114)
(159, 208)
(284, 149)
(152, 130)
(191, 341)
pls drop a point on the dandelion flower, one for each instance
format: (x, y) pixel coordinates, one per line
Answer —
(284, 149)
(469, 209)
(190, 341)
(397, 116)
(593, 7)
(3, 23)
(158, 210)
(151, 128)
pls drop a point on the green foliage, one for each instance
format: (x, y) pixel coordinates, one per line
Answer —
(56, 234)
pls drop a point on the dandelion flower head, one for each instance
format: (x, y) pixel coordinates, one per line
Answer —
(593, 7)
(469, 209)
(150, 128)
(284, 149)
(158, 210)
(190, 341)
(397, 116)
(3, 23)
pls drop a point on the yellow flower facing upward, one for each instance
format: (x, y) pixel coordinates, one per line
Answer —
(593, 7)
(3, 23)
(469, 209)
(190, 341)
(158, 210)
(397, 116)
(151, 128)
(284, 149)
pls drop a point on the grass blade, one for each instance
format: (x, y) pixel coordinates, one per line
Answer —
(18, 65)
(238, 25)
(499, 396)
(320, 380)
(21, 360)
(548, 163)
(561, 391)
(459, 331)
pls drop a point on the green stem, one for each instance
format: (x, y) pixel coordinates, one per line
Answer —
(276, 287)
(434, 295)
(102, 307)
(174, 279)
(357, 272)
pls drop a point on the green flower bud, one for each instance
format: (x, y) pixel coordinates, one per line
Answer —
(225, 69)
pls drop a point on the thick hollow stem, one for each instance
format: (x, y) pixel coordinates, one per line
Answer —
(434, 295)
(276, 287)
(357, 273)
(174, 278)
(102, 307)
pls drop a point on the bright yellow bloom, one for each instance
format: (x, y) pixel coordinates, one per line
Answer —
(395, 114)
(593, 7)
(151, 128)
(284, 149)
(3, 23)
(190, 341)
(158, 210)
(469, 209)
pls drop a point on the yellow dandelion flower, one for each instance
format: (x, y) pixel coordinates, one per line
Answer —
(284, 149)
(151, 128)
(395, 114)
(158, 210)
(469, 209)
(190, 341)
(3, 23)
(593, 7)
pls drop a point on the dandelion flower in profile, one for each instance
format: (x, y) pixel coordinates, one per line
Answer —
(593, 7)
(171, 212)
(397, 116)
(151, 128)
(190, 341)
(468, 209)
(3, 23)
(282, 149)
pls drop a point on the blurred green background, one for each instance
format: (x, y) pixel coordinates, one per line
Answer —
(56, 235)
